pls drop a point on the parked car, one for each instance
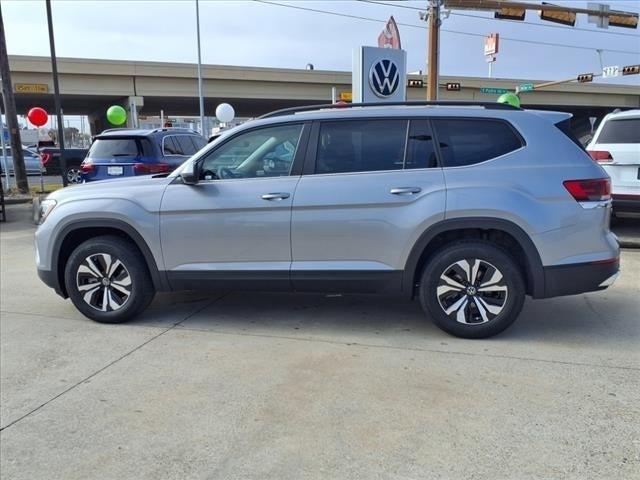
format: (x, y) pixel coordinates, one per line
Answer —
(121, 152)
(616, 146)
(466, 208)
(31, 162)
(73, 157)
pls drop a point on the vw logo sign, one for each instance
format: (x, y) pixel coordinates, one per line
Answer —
(384, 78)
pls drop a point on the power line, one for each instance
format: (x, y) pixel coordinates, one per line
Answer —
(458, 14)
(377, 20)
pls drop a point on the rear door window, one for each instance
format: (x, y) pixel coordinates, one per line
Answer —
(169, 147)
(361, 146)
(466, 142)
(198, 142)
(114, 148)
(620, 131)
(185, 145)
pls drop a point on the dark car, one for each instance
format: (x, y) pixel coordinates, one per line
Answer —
(123, 152)
(51, 160)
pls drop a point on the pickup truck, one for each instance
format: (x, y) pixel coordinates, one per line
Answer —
(50, 157)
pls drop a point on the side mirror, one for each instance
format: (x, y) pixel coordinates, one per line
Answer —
(189, 175)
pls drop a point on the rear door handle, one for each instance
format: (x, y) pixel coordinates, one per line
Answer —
(405, 190)
(275, 196)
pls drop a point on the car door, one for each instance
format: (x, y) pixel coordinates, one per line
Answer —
(233, 228)
(369, 189)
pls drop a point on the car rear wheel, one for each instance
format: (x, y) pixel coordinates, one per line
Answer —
(73, 175)
(472, 289)
(107, 281)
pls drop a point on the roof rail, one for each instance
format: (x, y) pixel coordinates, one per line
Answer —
(114, 130)
(178, 129)
(444, 103)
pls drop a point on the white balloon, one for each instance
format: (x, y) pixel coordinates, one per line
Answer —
(225, 113)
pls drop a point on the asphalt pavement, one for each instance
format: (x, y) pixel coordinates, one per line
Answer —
(238, 385)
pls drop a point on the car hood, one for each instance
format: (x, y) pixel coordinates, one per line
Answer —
(129, 187)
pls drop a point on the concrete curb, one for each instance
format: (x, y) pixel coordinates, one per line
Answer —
(17, 201)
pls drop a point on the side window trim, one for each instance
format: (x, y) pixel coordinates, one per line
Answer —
(301, 148)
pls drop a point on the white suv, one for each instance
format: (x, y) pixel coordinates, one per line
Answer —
(616, 146)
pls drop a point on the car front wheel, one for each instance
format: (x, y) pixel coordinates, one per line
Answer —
(472, 289)
(107, 281)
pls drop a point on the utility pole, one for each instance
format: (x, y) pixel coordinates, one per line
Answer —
(11, 116)
(200, 97)
(433, 49)
(56, 95)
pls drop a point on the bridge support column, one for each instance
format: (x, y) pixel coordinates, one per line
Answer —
(133, 105)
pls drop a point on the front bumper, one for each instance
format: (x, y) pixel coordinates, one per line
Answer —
(580, 277)
(51, 280)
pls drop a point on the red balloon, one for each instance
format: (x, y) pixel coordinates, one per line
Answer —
(38, 116)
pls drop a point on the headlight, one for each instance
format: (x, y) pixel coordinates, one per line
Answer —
(46, 207)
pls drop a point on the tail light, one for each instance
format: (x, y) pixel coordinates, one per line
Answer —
(150, 168)
(593, 190)
(87, 167)
(45, 158)
(600, 155)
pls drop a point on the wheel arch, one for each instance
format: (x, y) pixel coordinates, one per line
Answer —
(77, 232)
(475, 227)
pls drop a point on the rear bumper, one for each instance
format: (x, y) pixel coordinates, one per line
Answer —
(580, 277)
(626, 203)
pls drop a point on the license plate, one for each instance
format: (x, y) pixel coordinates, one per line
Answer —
(114, 170)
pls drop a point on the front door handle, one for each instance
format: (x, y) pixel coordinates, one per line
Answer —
(405, 190)
(275, 196)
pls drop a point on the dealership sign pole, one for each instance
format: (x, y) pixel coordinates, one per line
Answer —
(491, 45)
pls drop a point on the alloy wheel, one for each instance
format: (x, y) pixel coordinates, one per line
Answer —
(104, 282)
(74, 176)
(472, 291)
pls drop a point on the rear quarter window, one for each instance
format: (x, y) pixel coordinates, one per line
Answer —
(625, 130)
(466, 142)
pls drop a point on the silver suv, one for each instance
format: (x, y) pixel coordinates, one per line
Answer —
(468, 207)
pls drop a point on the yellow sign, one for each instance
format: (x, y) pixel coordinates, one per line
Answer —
(31, 88)
(346, 96)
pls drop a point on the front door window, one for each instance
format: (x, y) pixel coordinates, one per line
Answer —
(266, 152)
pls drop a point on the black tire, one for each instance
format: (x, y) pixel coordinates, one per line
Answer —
(73, 175)
(86, 287)
(489, 308)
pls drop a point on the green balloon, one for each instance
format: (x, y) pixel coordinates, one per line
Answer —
(116, 115)
(510, 98)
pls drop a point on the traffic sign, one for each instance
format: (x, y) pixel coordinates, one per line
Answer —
(612, 71)
(492, 90)
(526, 87)
(346, 96)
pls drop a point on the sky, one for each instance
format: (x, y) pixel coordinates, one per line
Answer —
(249, 32)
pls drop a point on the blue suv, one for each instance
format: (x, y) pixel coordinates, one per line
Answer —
(123, 152)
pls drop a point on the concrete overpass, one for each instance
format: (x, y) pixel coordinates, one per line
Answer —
(89, 86)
